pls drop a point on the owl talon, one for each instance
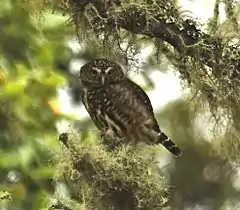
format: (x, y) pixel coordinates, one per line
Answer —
(110, 143)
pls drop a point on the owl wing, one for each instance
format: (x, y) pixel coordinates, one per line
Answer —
(140, 94)
(132, 100)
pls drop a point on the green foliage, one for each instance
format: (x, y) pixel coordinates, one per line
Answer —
(29, 77)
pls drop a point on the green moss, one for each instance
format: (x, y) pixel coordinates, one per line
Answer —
(121, 179)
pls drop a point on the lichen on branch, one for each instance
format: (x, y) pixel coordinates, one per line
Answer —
(122, 179)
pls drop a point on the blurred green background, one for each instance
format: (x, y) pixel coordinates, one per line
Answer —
(34, 64)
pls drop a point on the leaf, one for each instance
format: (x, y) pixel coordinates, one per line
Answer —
(22, 70)
(44, 56)
(54, 80)
(42, 172)
(15, 87)
(25, 155)
(8, 159)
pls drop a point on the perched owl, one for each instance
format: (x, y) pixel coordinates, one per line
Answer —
(116, 103)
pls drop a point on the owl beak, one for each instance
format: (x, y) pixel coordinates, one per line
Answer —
(104, 74)
(103, 79)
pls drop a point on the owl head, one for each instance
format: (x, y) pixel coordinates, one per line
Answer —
(100, 72)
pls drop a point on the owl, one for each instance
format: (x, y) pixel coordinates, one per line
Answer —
(116, 103)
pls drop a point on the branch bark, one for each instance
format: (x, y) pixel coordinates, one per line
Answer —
(160, 19)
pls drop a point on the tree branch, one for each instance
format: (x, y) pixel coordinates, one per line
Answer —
(160, 19)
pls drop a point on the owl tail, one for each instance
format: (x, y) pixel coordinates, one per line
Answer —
(168, 144)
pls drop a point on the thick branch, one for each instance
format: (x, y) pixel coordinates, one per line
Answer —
(161, 20)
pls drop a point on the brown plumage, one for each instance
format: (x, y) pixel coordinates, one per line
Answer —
(116, 103)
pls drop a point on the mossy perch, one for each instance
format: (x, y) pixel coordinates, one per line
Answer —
(121, 179)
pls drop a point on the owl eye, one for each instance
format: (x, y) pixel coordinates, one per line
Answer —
(111, 72)
(94, 73)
